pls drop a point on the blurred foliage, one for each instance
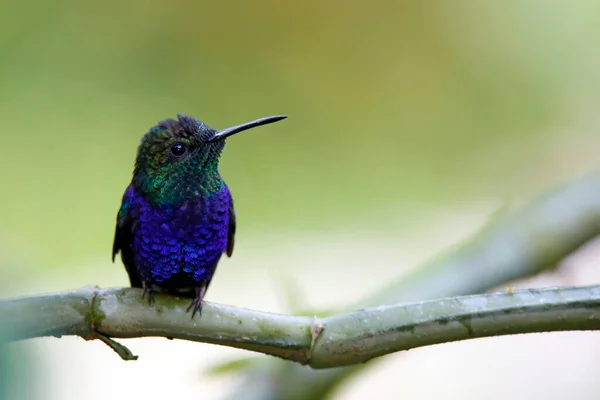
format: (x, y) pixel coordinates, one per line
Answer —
(17, 379)
(390, 103)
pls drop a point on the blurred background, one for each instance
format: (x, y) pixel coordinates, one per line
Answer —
(409, 124)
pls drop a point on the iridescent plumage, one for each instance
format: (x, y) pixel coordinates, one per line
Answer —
(177, 216)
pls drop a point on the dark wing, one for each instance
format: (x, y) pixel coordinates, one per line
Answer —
(231, 231)
(123, 242)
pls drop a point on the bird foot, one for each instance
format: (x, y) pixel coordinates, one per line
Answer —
(197, 307)
(197, 302)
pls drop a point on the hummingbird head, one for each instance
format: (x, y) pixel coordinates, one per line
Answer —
(178, 159)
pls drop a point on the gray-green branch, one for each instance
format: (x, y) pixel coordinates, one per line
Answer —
(345, 339)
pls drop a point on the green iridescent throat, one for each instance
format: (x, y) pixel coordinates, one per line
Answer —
(172, 185)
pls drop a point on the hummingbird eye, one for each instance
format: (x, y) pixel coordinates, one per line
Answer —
(178, 149)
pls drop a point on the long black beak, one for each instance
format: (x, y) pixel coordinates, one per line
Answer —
(222, 134)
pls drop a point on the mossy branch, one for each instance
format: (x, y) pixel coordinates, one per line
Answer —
(345, 339)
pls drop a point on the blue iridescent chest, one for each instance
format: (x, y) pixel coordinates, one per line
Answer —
(171, 244)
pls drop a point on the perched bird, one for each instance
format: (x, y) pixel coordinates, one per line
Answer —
(177, 216)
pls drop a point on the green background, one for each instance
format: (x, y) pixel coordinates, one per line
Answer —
(389, 104)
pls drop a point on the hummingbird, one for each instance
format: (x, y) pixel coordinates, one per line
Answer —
(177, 217)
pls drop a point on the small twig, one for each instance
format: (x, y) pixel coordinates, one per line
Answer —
(120, 349)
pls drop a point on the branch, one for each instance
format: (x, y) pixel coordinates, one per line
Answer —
(360, 336)
(346, 339)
